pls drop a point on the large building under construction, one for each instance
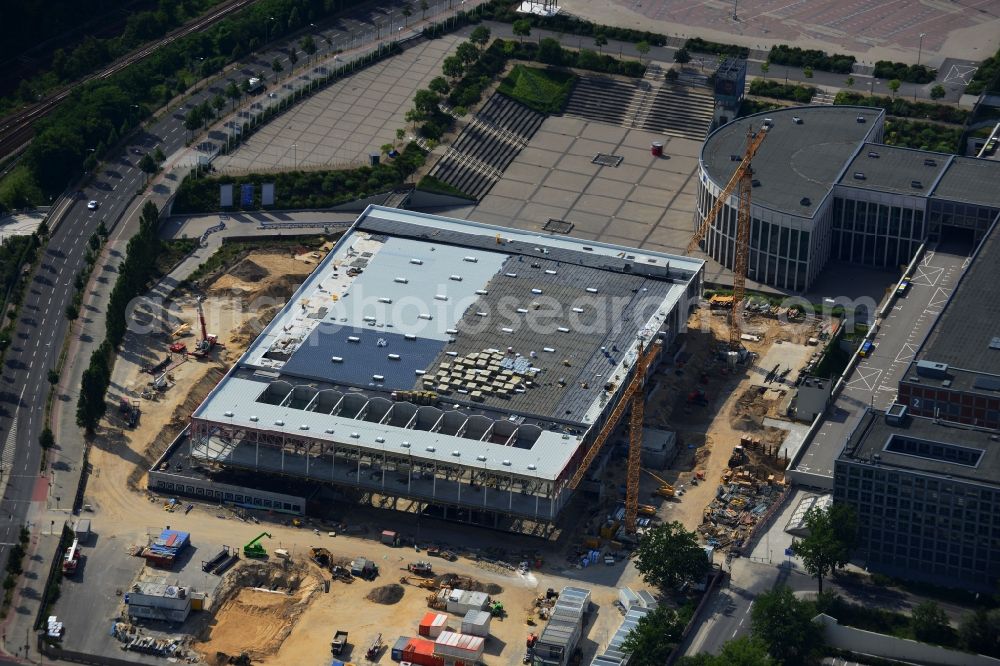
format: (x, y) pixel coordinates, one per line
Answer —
(450, 366)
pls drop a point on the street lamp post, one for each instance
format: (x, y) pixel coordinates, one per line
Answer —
(920, 47)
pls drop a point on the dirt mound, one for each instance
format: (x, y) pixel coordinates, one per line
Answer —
(248, 271)
(466, 583)
(387, 594)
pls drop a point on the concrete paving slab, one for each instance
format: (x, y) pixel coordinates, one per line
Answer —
(611, 134)
(552, 141)
(539, 157)
(561, 198)
(589, 148)
(643, 213)
(578, 164)
(634, 232)
(563, 180)
(599, 205)
(541, 213)
(626, 173)
(525, 173)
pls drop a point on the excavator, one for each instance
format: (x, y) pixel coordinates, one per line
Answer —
(254, 549)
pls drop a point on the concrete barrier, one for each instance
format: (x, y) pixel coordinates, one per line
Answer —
(869, 643)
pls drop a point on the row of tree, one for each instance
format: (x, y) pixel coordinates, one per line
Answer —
(777, 90)
(794, 56)
(903, 108)
(134, 275)
(887, 69)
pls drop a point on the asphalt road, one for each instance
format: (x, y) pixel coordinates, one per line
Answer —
(43, 327)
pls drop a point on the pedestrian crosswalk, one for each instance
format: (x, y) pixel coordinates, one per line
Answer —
(7, 456)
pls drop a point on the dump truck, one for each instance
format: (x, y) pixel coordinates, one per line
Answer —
(339, 642)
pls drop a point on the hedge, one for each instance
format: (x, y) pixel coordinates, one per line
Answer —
(904, 108)
(925, 136)
(304, 189)
(885, 69)
(987, 77)
(794, 93)
(702, 46)
(793, 56)
(544, 90)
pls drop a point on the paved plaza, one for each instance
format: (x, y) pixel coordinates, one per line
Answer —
(645, 201)
(348, 121)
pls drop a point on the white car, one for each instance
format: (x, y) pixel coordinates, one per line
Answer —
(92, 205)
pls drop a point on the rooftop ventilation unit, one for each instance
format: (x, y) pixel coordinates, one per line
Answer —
(385, 300)
(418, 262)
(481, 458)
(797, 120)
(456, 278)
(451, 331)
(549, 271)
(228, 415)
(916, 184)
(336, 359)
(511, 275)
(482, 314)
(755, 183)
(255, 418)
(591, 290)
(425, 316)
(279, 422)
(431, 449)
(995, 343)
(393, 357)
(409, 336)
(380, 440)
(303, 427)
(481, 292)
(507, 329)
(734, 158)
(457, 454)
(859, 175)
(402, 280)
(872, 154)
(440, 297)
(805, 201)
(768, 122)
(536, 291)
(329, 431)
(563, 329)
(860, 119)
(578, 310)
(405, 445)
(471, 260)
(506, 463)
(548, 349)
(378, 378)
(353, 338)
(930, 162)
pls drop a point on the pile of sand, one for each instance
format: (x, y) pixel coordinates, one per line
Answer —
(387, 594)
(466, 583)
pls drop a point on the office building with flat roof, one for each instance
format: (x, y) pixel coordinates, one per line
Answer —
(825, 187)
(439, 361)
(927, 495)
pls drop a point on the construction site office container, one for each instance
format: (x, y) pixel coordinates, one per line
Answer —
(421, 651)
(399, 647)
(628, 597)
(476, 623)
(451, 646)
(432, 625)
(461, 602)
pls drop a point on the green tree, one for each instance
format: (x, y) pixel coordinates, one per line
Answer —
(742, 651)
(158, 156)
(808, 71)
(978, 632)
(192, 121)
(452, 67)
(47, 440)
(407, 12)
(426, 102)
(669, 555)
(832, 536)
(480, 36)
(53, 377)
(765, 67)
(308, 45)
(218, 104)
(938, 92)
(682, 56)
(550, 52)
(643, 49)
(652, 640)
(600, 41)
(467, 53)
(277, 66)
(521, 28)
(894, 86)
(930, 624)
(424, 6)
(72, 312)
(439, 84)
(233, 92)
(849, 82)
(783, 625)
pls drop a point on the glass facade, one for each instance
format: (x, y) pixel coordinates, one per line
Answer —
(779, 253)
(876, 234)
(944, 214)
(929, 528)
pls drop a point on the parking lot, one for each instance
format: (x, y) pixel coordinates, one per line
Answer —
(346, 122)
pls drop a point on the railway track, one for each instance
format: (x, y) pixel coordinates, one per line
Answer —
(17, 130)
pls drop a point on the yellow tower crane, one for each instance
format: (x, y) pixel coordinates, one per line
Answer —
(742, 179)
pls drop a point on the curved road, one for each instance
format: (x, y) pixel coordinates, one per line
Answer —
(42, 326)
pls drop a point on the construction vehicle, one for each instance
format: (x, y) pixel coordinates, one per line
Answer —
(665, 489)
(742, 179)
(183, 329)
(178, 348)
(320, 556)
(634, 398)
(497, 609)
(420, 568)
(71, 558)
(282, 554)
(339, 642)
(209, 341)
(374, 649)
(130, 411)
(254, 550)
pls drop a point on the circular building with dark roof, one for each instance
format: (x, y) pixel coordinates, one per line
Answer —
(825, 187)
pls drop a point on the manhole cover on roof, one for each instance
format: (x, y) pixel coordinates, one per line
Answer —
(607, 160)
(558, 226)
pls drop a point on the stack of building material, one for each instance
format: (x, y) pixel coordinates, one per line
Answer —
(432, 625)
(164, 549)
(54, 628)
(737, 507)
(485, 373)
(459, 649)
(476, 623)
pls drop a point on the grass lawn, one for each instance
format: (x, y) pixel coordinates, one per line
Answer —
(544, 90)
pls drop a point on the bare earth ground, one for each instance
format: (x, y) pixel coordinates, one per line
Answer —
(869, 29)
